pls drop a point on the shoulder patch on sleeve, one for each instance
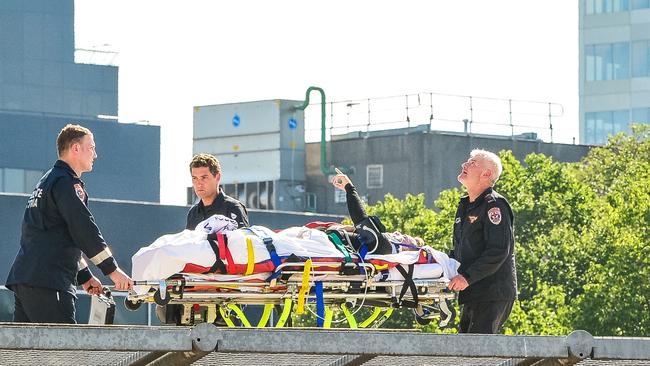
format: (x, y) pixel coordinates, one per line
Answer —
(79, 190)
(494, 214)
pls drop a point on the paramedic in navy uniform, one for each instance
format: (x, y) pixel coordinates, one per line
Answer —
(484, 245)
(57, 227)
(206, 176)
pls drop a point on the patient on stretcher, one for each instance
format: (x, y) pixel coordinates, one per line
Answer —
(220, 249)
(217, 246)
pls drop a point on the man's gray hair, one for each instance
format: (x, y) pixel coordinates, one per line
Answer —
(493, 161)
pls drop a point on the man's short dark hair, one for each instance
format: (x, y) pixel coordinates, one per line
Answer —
(207, 161)
(70, 135)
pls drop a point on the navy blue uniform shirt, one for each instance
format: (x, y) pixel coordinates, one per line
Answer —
(222, 205)
(57, 227)
(484, 244)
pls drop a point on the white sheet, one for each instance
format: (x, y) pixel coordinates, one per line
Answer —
(169, 254)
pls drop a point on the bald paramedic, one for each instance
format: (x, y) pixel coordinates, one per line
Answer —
(484, 244)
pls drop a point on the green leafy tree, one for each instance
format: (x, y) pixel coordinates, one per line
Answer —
(616, 300)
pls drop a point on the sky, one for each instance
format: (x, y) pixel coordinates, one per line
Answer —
(174, 55)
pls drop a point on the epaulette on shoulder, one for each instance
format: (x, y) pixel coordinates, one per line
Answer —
(490, 198)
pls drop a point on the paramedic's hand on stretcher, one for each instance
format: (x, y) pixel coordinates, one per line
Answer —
(458, 283)
(93, 286)
(121, 280)
(340, 180)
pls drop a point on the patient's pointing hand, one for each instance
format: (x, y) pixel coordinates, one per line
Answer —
(340, 180)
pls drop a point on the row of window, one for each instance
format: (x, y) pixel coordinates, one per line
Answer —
(19, 180)
(614, 6)
(612, 61)
(599, 125)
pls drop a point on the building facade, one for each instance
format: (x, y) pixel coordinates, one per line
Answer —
(614, 67)
(414, 161)
(42, 89)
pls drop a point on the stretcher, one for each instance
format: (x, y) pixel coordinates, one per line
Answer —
(289, 283)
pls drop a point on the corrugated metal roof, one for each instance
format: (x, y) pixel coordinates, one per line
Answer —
(84, 358)
(56, 358)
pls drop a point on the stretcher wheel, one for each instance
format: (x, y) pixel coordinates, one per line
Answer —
(160, 301)
(131, 305)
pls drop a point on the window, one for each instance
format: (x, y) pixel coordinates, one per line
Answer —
(606, 6)
(375, 176)
(311, 202)
(641, 59)
(621, 61)
(640, 4)
(603, 54)
(590, 128)
(590, 67)
(620, 122)
(620, 5)
(191, 196)
(600, 125)
(607, 61)
(258, 195)
(339, 196)
(32, 177)
(14, 180)
(641, 115)
(19, 180)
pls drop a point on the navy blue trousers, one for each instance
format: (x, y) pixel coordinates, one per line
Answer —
(484, 317)
(43, 305)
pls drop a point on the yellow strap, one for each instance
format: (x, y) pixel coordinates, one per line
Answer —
(304, 288)
(349, 316)
(268, 308)
(286, 310)
(229, 322)
(371, 318)
(328, 317)
(251, 256)
(381, 267)
(240, 314)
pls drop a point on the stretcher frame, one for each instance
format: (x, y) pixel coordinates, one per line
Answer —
(343, 287)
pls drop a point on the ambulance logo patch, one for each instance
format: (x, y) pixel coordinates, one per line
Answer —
(472, 219)
(80, 192)
(495, 215)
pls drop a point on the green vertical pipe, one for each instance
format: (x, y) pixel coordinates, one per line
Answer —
(327, 170)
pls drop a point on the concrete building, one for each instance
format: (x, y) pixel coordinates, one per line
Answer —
(614, 67)
(42, 88)
(415, 160)
(261, 148)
